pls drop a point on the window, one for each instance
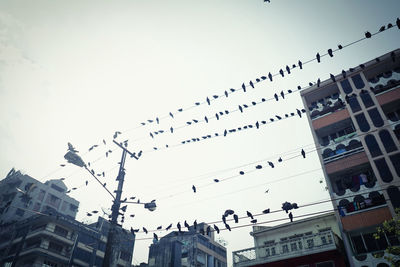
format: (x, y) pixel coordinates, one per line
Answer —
(310, 243)
(353, 102)
(383, 170)
(362, 123)
(300, 245)
(323, 240)
(59, 189)
(72, 207)
(285, 249)
(358, 244)
(387, 141)
(373, 146)
(53, 201)
(64, 206)
(36, 207)
(55, 247)
(273, 252)
(41, 195)
(358, 82)
(394, 196)
(19, 212)
(60, 231)
(366, 98)
(293, 246)
(346, 86)
(395, 159)
(267, 253)
(375, 117)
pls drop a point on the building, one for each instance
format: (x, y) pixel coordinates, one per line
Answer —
(187, 249)
(313, 241)
(21, 196)
(354, 118)
(58, 241)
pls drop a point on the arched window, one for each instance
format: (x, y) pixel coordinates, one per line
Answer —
(375, 117)
(394, 196)
(358, 82)
(373, 146)
(353, 102)
(366, 98)
(383, 170)
(387, 141)
(346, 86)
(395, 159)
(362, 123)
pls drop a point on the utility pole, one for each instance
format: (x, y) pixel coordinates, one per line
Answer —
(111, 253)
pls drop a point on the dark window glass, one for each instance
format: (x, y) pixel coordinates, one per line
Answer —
(383, 169)
(353, 102)
(387, 141)
(362, 123)
(370, 242)
(346, 87)
(395, 159)
(358, 244)
(373, 146)
(367, 100)
(394, 196)
(375, 117)
(358, 82)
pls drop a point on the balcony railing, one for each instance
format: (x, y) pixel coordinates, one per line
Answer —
(385, 81)
(320, 109)
(41, 246)
(305, 245)
(342, 146)
(364, 188)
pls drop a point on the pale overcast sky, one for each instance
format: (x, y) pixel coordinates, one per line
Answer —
(76, 71)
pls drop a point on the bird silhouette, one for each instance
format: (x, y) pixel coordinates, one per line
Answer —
(236, 218)
(168, 227)
(251, 84)
(240, 108)
(216, 228)
(216, 180)
(208, 101)
(270, 76)
(259, 167)
(155, 236)
(278, 117)
(86, 183)
(249, 214)
(145, 230)
(254, 221)
(276, 97)
(344, 74)
(291, 217)
(186, 225)
(62, 165)
(228, 227)
(303, 153)
(266, 191)
(332, 77)
(298, 112)
(171, 115)
(282, 94)
(282, 73)
(266, 211)
(195, 224)
(224, 219)
(257, 125)
(280, 159)
(271, 164)
(208, 230)
(318, 82)
(179, 227)
(241, 172)
(226, 93)
(287, 69)
(194, 188)
(217, 116)
(228, 212)
(330, 52)
(300, 64)
(368, 35)
(318, 57)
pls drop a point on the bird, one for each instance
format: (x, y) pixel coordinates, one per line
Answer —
(236, 218)
(344, 74)
(318, 82)
(330, 52)
(244, 87)
(226, 93)
(291, 217)
(228, 227)
(278, 117)
(151, 134)
(179, 227)
(62, 165)
(216, 228)
(257, 125)
(249, 214)
(186, 225)
(266, 191)
(300, 64)
(194, 188)
(155, 236)
(145, 230)
(381, 29)
(228, 212)
(281, 72)
(303, 153)
(318, 57)
(216, 180)
(240, 108)
(271, 164)
(208, 101)
(398, 23)
(168, 227)
(104, 184)
(171, 115)
(282, 94)
(251, 84)
(287, 69)
(258, 167)
(298, 112)
(86, 182)
(280, 159)
(270, 76)
(132, 231)
(205, 119)
(195, 224)
(276, 97)
(104, 142)
(333, 77)
(266, 211)
(132, 215)
(269, 1)
(254, 221)
(368, 34)
(217, 116)
(241, 172)
(208, 230)
(340, 46)
(223, 219)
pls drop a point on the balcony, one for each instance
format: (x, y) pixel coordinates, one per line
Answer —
(385, 81)
(41, 248)
(326, 106)
(341, 147)
(306, 245)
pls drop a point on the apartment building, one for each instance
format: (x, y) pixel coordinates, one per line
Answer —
(355, 121)
(21, 196)
(313, 241)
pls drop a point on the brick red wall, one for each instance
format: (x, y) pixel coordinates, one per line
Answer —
(346, 162)
(330, 119)
(366, 218)
(389, 96)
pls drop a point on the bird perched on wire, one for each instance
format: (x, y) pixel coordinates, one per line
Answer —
(303, 153)
(168, 227)
(194, 188)
(236, 218)
(216, 228)
(145, 230)
(250, 215)
(291, 217)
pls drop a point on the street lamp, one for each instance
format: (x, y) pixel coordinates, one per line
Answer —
(111, 253)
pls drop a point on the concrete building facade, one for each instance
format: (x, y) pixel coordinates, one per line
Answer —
(314, 241)
(188, 249)
(21, 196)
(355, 123)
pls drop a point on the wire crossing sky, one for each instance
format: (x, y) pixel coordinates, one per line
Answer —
(79, 71)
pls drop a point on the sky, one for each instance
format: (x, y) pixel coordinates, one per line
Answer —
(77, 71)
